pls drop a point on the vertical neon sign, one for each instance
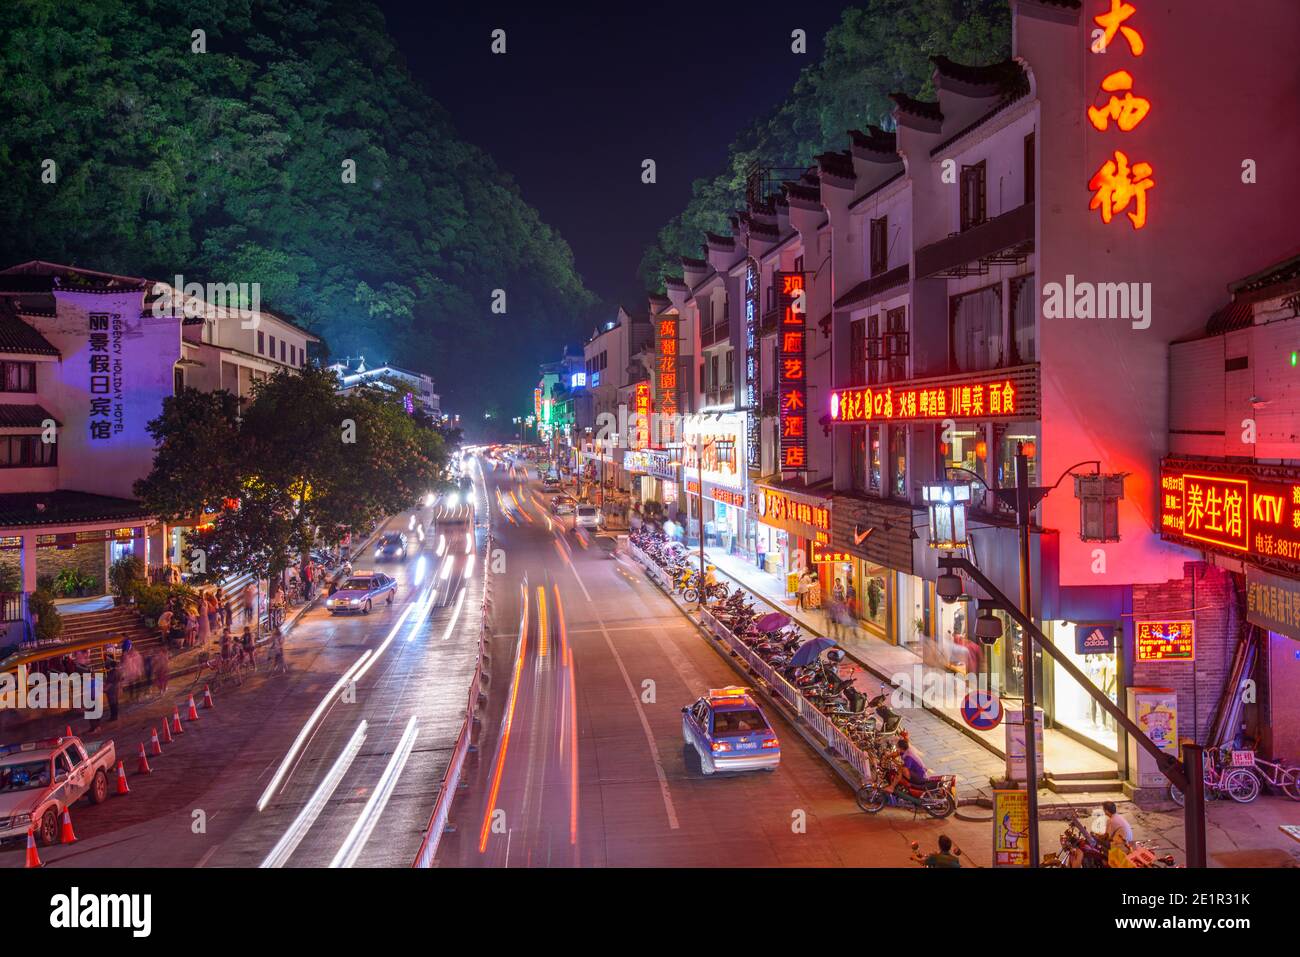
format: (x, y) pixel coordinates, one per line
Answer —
(792, 371)
(753, 425)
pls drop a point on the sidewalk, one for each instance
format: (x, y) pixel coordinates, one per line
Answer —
(945, 743)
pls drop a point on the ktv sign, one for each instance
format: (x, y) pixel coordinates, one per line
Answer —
(1247, 510)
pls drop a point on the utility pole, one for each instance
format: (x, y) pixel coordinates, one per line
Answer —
(1024, 514)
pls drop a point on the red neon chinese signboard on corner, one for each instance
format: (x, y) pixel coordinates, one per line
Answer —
(792, 371)
(1242, 509)
(666, 384)
(641, 407)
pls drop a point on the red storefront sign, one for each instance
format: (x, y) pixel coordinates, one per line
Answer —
(819, 554)
(784, 511)
(641, 407)
(792, 371)
(1244, 509)
(666, 384)
(725, 496)
(1166, 641)
(978, 398)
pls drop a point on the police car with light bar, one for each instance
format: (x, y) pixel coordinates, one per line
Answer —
(729, 732)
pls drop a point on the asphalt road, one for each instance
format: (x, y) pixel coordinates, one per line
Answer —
(581, 760)
(332, 791)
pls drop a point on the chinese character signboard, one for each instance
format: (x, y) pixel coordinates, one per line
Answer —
(641, 409)
(1247, 510)
(1273, 602)
(986, 397)
(1165, 641)
(808, 517)
(107, 405)
(792, 371)
(1120, 185)
(819, 555)
(753, 454)
(666, 355)
(1010, 828)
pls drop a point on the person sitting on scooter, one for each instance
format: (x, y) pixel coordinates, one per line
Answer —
(912, 771)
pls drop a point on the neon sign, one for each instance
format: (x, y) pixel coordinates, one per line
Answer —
(1166, 641)
(753, 427)
(778, 509)
(641, 406)
(1239, 509)
(1119, 183)
(792, 372)
(988, 398)
(666, 365)
(819, 556)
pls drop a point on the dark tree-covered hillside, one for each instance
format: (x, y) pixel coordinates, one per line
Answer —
(228, 166)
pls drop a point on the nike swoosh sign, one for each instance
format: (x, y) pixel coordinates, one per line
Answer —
(860, 536)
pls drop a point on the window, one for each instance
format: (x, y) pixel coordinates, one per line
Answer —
(898, 461)
(261, 343)
(293, 355)
(1009, 437)
(858, 352)
(18, 376)
(738, 722)
(858, 456)
(873, 459)
(875, 347)
(27, 451)
(896, 344)
(1029, 168)
(976, 330)
(1024, 315)
(283, 350)
(1099, 497)
(272, 352)
(972, 195)
(879, 245)
(178, 380)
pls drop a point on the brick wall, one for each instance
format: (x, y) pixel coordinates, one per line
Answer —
(86, 557)
(1208, 596)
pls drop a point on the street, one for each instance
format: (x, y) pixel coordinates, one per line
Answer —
(199, 807)
(581, 759)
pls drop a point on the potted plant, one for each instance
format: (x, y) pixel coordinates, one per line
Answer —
(122, 575)
(66, 582)
(47, 622)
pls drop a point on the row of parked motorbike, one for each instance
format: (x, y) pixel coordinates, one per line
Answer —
(813, 666)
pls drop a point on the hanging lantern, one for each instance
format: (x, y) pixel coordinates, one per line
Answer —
(981, 449)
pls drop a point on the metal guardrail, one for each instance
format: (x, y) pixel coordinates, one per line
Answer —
(451, 777)
(835, 740)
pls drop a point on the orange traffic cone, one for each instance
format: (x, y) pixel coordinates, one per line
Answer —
(144, 764)
(155, 746)
(121, 780)
(207, 697)
(67, 731)
(194, 712)
(68, 837)
(167, 732)
(176, 721)
(33, 858)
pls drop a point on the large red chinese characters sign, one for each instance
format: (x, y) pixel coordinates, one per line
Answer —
(998, 398)
(1119, 185)
(792, 371)
(641, 408)
(1166, 641)
(666, 384)
(1243, 509)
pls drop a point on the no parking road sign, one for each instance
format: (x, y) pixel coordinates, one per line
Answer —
(982, 711)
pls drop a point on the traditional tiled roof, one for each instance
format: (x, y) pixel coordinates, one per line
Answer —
(837, 163)
(713, 239)
(1006, 76)
(802, 191)
(873, 286)
(66, 507)
(690, 262)
(1279, 280)
(875, 140)
(18, 337)
(922, 108)
(17, 416)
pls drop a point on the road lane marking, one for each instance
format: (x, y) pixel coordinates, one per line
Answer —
(296, 831)
(645, 726)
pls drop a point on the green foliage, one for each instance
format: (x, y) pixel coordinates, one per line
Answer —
(150, 600)
(312, 465)
(123, 573)
(227, 166)
(194, 467)
(69, 582)
(878, 47)
(49, 623)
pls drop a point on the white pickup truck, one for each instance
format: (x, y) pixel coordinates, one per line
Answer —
(40, 778)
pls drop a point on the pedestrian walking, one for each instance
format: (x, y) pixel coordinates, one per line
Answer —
(202, 626)
(277, 651)
(247, 647)
(227, 608)
(112, 689)
(227, 644)
(161, 669)
(214, 620)
(802, 587)
(250, 602)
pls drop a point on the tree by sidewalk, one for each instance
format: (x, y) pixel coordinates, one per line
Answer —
(302, 465)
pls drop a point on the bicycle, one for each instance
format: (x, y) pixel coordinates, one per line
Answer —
(1277, 776)
(1238, 783)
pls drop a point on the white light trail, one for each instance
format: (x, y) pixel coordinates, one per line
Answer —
(365, 825)
(296, 831)
(455, 614)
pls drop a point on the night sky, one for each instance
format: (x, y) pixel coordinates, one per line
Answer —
(581, 98)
